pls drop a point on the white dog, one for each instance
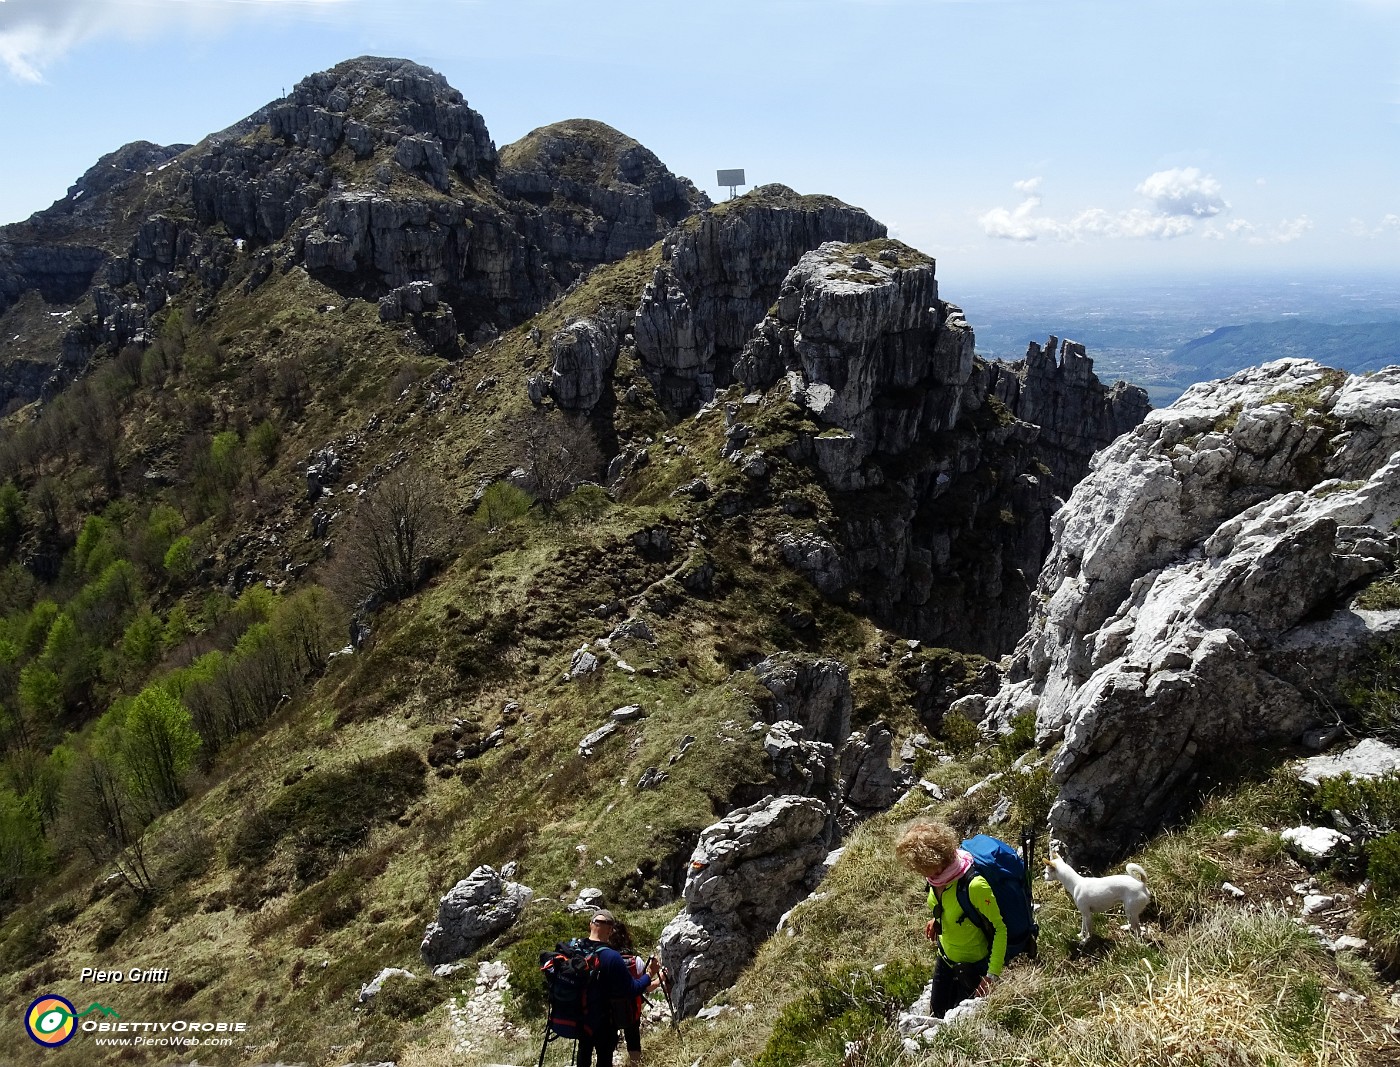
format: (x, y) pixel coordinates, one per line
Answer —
(1099, 894)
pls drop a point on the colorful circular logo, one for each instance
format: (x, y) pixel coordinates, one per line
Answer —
(51, 1020)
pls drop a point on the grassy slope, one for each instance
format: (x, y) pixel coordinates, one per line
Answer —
(261, 941)
(1214, 982)
(287, 951)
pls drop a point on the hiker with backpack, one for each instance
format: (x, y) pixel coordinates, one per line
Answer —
(980, 897)
(592, 992)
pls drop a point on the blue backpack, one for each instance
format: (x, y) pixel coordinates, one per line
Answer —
(1005, 871)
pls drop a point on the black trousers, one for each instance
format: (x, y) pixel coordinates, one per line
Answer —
(601, 1043)
(953, 983)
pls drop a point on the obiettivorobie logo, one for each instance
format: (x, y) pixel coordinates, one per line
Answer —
(52, 1020)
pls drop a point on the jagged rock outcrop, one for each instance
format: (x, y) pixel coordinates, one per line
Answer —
(117, 168)
(884, 370)
(584, 353)
(746, 871)
(814, 693)
(476, 909)
(810, 744)
(1196, 599)
(256, 187)
(1056, 390)
(869, 783)
(718, 278)
(60, 273)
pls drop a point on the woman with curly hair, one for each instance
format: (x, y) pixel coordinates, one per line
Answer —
(968, 963)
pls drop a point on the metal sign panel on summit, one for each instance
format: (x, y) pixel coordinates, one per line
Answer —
(730, 178)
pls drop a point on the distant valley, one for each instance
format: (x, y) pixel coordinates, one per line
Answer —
(1168, 334)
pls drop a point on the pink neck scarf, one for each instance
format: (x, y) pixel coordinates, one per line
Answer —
(961, 862)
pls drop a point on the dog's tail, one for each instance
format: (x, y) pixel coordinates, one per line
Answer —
(1137, 872)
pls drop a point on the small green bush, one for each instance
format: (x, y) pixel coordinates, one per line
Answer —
(409, 998)
(330, 811)
(1021, 739)
(1382, 595)
(839, 1007)
(179, 559)
(587, 503)
(501, 504)
(959, 733)
(539, 933)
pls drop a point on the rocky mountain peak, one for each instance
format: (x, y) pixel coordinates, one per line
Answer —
(374, 175)
(585, 151)
(369, 103)
(115, 168)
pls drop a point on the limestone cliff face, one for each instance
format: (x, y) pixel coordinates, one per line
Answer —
(1057, 391)
(1196, 598)
(374, 176)
(718, 279)
(951, 521)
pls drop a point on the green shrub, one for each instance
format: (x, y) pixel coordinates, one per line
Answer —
(501, 504)
(328, 812)
(179, 559)
(1382, 595)
(1372, 804)
(23, 852)
(1032, 793)
(263, 442)
(27, 942)
(409, 998)
(587, 503)
(1372, 689)
(1020, 739)
(959, 733)
(143, 641)
(839, 1007)
(538, 932)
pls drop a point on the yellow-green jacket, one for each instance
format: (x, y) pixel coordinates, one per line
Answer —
(962, 942)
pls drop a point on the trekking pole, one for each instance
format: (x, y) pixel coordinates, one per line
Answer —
(666, 986)
(1028, 853)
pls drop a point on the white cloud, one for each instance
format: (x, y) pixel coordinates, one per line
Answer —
(1028, 186)
(1361, 228)
(1289, 230)
(1017, 224)
(1184, 191)
(35, 33)
(1283, 232)
(1022, 223)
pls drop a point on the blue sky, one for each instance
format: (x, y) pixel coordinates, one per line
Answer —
(1008, 138)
